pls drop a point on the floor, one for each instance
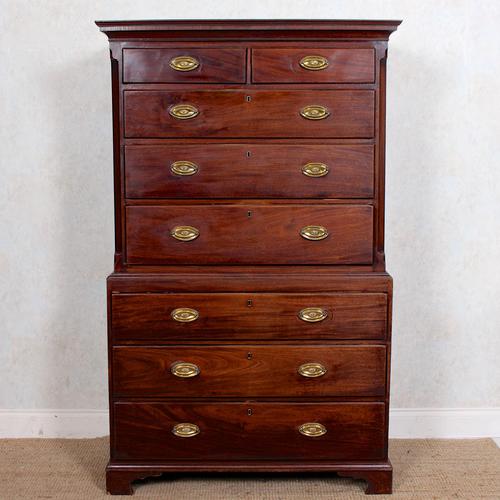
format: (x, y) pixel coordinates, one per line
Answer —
(423, 469)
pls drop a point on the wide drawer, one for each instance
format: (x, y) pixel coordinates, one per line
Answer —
(249, 171)
(249, 371)
(241, 316)
(253, 430)
(249, 234)
(313, 65)
(188, 64)
(250, 113)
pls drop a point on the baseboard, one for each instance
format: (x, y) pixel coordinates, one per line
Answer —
(444, 423)
(53, 423)
(409, 423)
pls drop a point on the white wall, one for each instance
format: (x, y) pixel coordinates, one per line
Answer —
(443, 193)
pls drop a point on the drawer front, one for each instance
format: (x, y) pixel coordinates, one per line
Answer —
(313, 65)
(249, 234)
(249, 371)
(228, 431)
(189, 65)
(240, 316)
(249, 171)
(252, 113)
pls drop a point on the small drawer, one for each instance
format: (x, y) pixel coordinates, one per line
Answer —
(188, 65)
(313, 65)
(249, 171)
(249, 234)
(253, 430)
(249, 371)
(251, 113)
(248, 316)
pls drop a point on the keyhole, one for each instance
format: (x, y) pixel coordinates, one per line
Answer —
(249, 412)
(249, 303)
(248, 98)
(249, 213)
(249, 355)
(249, 153)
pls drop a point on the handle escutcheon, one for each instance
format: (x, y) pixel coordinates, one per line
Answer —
(182, 369)
(314, 233)
(313, 314)
(185, 430)
(184, 168)
(184, 63)
(314, 112)
(185, 314)
(314, 63)
(312, 429)
(312, 370)
(183, 111)
(184, 233)
(314, 169)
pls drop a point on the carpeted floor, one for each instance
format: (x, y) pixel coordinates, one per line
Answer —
(74, 469)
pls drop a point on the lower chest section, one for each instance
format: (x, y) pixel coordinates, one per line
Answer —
(242, 374)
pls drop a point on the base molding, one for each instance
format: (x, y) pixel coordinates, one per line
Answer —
(378, 475)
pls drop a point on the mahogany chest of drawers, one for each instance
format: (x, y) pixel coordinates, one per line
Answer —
(249, 310)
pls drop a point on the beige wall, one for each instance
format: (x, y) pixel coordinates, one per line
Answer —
(443, 193)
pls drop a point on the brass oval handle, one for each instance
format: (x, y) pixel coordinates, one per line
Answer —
(312, 370)
(312, 429)
(314, 233)
(313, 314)
(314, 112)
(313, 169)
(184, 168)
(184, 233)
(185, 430)
(184, 63)
(182, 369)
(314, 63)
(183, 111)
(184, 314)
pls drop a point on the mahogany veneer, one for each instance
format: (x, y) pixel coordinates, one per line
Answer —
(351, 174)
(249, 312)
(249, 113)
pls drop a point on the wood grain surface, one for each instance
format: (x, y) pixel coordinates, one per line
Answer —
(249, 371)
(249, 113)
(283, 65)
(227, 431)
(249, 170)
(238, 316)
(249, 234)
